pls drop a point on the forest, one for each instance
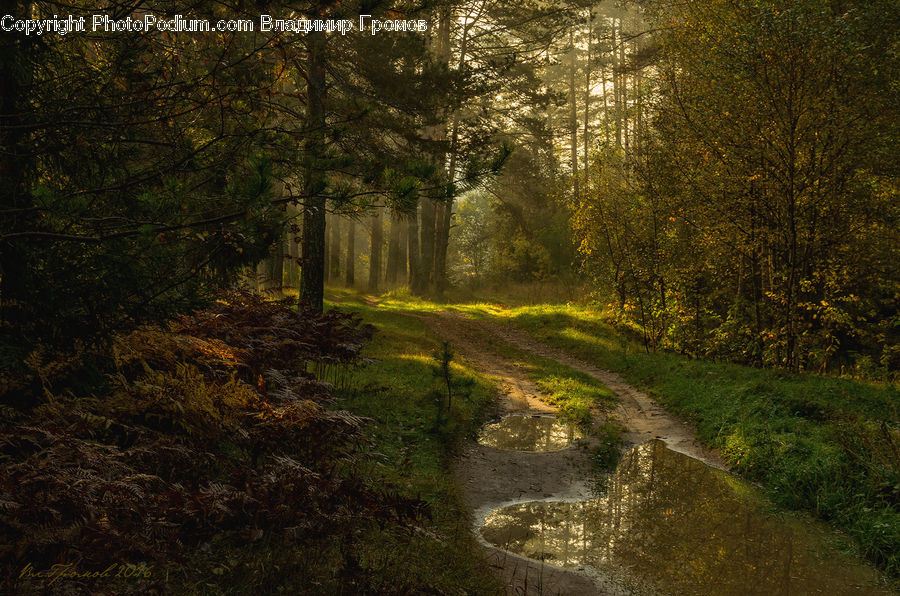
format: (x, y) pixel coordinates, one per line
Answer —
(326, 297)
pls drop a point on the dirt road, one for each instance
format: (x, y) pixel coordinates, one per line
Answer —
(491, 478)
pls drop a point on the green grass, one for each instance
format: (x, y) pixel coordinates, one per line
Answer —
(821, 444)
(415, 445)
(574, 393)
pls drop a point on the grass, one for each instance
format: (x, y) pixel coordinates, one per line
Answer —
(574, 393)
(415, 443)
(820, 444)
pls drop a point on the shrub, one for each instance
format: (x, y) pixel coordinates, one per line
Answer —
(211, 430)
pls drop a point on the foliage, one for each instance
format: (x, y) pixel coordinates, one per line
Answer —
(130, 173)
(757, 223)
(515, 227)
(193, 445)
(470, 247)
(151, 168)
(278, 335)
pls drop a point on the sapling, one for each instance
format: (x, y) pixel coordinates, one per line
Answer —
(443, 357)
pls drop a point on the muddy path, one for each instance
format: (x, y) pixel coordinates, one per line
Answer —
(666, 521)
(491, 478)
(641, 415)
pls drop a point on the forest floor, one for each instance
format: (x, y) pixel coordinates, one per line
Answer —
(395, 481)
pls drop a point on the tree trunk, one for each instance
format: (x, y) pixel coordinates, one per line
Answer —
(413, 249)
(402, 270)
(431, 209)
(312, 273)
(392, 273)
(326, 271)
(639, 101)
(426, 248)
(617, 86)
(350, 262)
(292, 248)
(271, 270)
(605, 103)
(550, 144)
(375, 241)
(587, 93)
(573, 112)
(442, 212)
(445, 210)
(335, 248)
(624, 86)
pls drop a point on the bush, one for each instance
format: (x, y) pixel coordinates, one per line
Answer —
(195, 442)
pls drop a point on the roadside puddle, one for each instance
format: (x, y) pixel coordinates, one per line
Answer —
(672, 524)
(529, 433)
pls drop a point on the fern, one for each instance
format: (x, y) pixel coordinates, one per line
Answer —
(141, 473)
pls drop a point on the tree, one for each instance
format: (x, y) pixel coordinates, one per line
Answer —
(350, 262)
(383, 98)
(136, 168)
(396, 255)
(757, 206)
(376, 239)
(516, 61)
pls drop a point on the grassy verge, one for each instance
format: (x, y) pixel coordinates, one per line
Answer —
(574, 393)
(415, 437)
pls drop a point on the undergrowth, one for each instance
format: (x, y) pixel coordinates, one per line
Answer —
(212, 459)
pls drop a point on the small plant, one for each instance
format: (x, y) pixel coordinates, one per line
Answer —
(452, 385)
(609, 451)
(443, 357)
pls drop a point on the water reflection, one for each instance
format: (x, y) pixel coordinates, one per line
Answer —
(529, 433)
(679, 526)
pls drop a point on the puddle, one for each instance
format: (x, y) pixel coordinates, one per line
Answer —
(672, 524)
(529, 433)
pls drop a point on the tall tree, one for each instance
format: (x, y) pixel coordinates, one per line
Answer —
(376, 239)
(413, 252)
(335, 249)
(312, 272)
(350, 256)
(396, 254)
